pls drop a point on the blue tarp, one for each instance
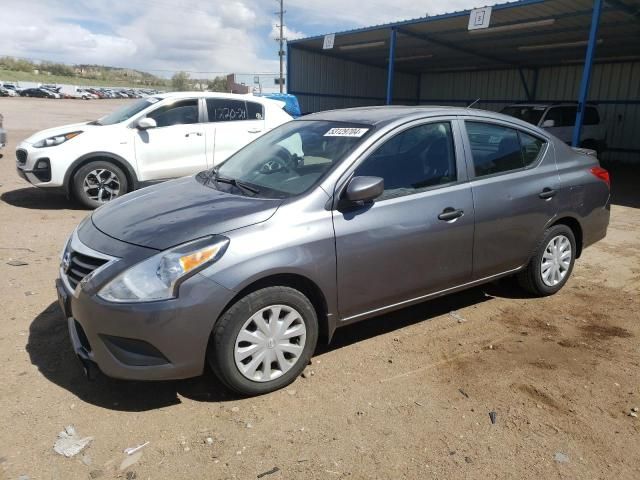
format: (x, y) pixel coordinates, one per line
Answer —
(292, 106)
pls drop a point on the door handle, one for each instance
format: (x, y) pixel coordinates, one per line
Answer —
(547, 193)
(450, 213)
(194, 133)
(254, 130)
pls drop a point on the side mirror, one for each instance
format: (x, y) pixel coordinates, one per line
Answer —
(146, 123)
(548, 123)
(364, 189)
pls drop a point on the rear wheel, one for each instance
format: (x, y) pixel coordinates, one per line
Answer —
(551, 264)
(264, 341)
(99, 182)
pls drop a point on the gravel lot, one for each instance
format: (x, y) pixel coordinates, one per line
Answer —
(405, 395)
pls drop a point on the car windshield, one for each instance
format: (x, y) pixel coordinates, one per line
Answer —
(127, 111)
(531, 114)
(289, 160)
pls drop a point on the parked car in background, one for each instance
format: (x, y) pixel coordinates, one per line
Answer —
(559, 119)
(150, 140)
(56, 94)
(3, 135)
(11, 86)
(7, 92)
(87, 94)
(38, 93)
(326, 220)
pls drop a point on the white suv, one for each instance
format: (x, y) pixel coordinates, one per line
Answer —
(559, 119)
(153, 139)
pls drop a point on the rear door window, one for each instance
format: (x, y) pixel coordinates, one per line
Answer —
(226, 110)
(531, 148)
(497, 149)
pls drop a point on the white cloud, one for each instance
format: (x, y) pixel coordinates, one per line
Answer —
(288, 33)
(372, 12)
(166, 35)
(190, 35)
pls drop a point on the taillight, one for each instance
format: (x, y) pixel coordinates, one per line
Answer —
(602, 174)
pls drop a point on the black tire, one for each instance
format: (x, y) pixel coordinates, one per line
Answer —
(77, 182)
(531, 277)
(220, 355)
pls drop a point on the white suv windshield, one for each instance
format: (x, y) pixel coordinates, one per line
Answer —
(288, 160)
(127, 111)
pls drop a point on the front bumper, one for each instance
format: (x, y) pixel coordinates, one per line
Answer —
(161, 340)
(38, 165)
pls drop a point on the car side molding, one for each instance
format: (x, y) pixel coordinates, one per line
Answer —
(405, 303)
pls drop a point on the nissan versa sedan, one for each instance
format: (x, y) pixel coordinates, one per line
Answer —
(324, 221)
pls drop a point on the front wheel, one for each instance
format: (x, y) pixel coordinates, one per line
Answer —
(264, 341)
(551, 264)
(99, 182)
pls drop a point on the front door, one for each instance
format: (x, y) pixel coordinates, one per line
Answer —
(176, 147)
(416, 238)
(514, 181)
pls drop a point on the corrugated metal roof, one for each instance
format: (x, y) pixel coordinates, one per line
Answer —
(525, 33)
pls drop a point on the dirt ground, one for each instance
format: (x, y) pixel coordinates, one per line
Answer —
(405, 395)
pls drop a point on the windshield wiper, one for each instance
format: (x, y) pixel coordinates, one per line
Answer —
(232, 181)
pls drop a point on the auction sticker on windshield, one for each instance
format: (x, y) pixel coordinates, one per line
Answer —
(346, 132)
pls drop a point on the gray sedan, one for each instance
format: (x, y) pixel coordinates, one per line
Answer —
(326, 220)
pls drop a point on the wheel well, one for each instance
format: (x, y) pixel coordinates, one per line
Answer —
(297, 282)
(575, 227)
(131, 180)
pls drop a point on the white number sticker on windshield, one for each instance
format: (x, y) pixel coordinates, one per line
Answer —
(346, 132)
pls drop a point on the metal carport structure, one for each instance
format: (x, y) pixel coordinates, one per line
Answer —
(536, 51)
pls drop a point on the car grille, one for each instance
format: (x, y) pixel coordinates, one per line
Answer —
(21, 155)
(80, 266)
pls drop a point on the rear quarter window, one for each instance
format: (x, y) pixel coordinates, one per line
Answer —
(255, 111)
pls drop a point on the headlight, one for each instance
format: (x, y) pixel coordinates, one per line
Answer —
(158, 277)
(57, 140)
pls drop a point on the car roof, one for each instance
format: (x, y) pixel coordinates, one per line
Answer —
(385, 115)
(234, 96)
(549, 105)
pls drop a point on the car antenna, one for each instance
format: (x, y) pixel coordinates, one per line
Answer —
(473, 103)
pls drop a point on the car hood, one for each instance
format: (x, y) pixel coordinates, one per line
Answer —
(178, 211)
(52, 132)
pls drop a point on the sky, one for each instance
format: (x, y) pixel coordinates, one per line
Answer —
(199, 37)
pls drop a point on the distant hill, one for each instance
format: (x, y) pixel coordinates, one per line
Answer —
(19, 69)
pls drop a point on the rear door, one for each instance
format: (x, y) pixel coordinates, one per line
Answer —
(231, 125)
(401, 247)
(514, 181)
(176, 147)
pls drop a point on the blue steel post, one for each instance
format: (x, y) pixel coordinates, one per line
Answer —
(392, 55)
(586, 72)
